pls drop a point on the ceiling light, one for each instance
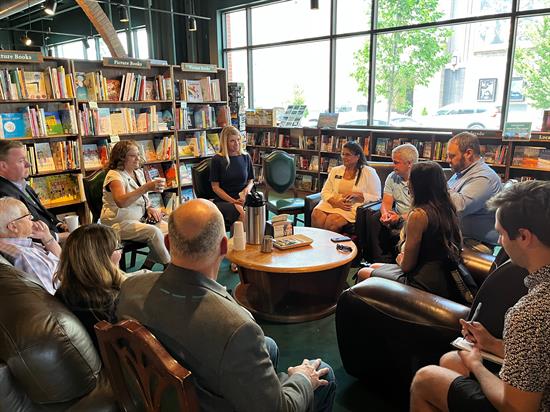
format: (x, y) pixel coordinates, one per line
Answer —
(50, 6)
(314, 4)
(123, 14)
(192, 24)
(26, 40)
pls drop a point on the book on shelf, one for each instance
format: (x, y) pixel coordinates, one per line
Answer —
(61, 188)
(314, 164)
(14, 126)
(545, 127)
(147, 150)
(170, 173)
(185, 149)
(153, 171)
(53, 123)
(113, 89)
(531, 157)
(20, 84)
(91, 157)
(202, 90)
(494, 154)
(214, 140)
(194, 91)
(44, 158)
(187, 194)
(381, 147)
(129, 87)
(327, 120)
(333, 162)
(165, 147)
(155, 200)
(185, 174)
(171, 202)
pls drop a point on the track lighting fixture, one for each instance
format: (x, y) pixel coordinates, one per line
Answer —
(123, 14)
(192, 24)
(50, 6)
(26, 40)
(314, 4)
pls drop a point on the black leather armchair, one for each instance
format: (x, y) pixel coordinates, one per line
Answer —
(386, 330)
(47, 360)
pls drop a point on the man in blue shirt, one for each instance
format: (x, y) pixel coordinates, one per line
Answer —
(473, 183)
(383, 227)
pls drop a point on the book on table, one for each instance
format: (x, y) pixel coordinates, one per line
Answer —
(292, 241)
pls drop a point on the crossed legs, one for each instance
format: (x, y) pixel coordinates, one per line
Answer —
(329, 221)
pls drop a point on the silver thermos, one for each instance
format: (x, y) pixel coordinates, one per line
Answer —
(254, 210)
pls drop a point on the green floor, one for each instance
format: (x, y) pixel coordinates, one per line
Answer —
(315, 339)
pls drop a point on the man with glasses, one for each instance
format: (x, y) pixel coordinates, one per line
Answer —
(14, 169)
(17, 231)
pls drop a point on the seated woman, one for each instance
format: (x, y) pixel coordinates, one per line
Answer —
(126, 204)
(433, 242)
(88, 275)
(231, 175)
(347, 187)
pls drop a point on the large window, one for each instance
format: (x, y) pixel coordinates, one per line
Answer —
(430, 63)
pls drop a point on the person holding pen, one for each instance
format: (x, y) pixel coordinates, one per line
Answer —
(523, 383)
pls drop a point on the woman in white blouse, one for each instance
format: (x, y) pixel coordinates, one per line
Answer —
(126, 205)
(347, 187)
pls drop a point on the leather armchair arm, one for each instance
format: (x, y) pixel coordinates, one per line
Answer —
(310, 202)
(386, 331)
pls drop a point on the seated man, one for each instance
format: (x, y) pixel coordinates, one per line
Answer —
(473, 183)
(383, 227)
(523, 223)
(17, 231)
(194, 317)
(14, 169)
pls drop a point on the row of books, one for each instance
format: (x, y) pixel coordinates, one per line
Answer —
(55, 189)
(105, 121)
(334, 144)
(306, 182)
(307, 163)
(494, 154)
(297, 142)
(532, 157)
(34, 121)
(166, 201)
(198, 91)
(53, 156)
(201, 117)
(159, 149)
(199, 144)
(327, 163)
(20, 84)
(131, 86)
(261, 138)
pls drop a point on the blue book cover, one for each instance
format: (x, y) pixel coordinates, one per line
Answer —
(14, 125)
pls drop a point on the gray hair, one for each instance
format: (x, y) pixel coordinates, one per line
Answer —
(203, 245)
(10, 209)
(465, 141)
(407, 151)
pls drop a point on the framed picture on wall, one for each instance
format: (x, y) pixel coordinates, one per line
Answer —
(516, 90)
(486, 90)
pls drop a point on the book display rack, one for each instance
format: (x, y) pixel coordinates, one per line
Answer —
(316, 151)
(69, 113)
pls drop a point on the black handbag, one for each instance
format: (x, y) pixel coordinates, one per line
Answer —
(464, 282)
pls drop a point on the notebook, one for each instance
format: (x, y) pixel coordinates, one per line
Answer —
(463, 344)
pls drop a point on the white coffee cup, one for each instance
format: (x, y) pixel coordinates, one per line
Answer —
(239, 238)
(160, 183)
(72, 222)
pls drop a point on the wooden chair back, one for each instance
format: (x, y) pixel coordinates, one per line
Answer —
(143, 375)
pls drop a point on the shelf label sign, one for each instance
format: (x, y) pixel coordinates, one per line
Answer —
(114, 138)
(20, 56)
(197, 67)
(93, 104)
(126, 63)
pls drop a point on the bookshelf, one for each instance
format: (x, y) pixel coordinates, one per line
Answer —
(37, 109)
(511, 160)
(99, 103)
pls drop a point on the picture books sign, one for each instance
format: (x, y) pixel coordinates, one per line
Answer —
(196, 67)
(20, 56)
(127, 63)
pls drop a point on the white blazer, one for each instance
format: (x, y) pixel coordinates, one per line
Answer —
(368, 184)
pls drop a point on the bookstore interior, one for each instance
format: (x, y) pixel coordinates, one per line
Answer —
(305, 77)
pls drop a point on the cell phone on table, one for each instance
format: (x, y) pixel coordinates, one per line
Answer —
(339, 239)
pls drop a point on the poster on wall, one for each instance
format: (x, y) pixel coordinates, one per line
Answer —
(486, 90)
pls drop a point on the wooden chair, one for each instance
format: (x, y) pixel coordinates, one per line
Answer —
(144, 377)
(93, 188)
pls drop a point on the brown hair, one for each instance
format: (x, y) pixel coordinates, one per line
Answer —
(119, 153)
(87, 277)
(7, 145)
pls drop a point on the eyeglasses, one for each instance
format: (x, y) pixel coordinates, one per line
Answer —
(28, 215)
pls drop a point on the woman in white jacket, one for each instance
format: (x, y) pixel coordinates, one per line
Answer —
(347, 187)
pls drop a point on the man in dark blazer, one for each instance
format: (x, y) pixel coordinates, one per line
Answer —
(14, 169)
(199, 322)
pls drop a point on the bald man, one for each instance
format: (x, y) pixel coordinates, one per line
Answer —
(233, 363)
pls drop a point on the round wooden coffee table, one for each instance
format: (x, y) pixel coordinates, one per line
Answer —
(293, 285)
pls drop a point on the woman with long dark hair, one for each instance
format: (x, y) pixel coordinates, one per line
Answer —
(432, 242)
(347, 187)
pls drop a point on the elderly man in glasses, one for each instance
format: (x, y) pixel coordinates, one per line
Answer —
(17, 231)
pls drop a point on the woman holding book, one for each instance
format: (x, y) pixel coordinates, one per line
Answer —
(231, 175)
(347, 187)
(126, 206)
(88, 275)
(432, 241)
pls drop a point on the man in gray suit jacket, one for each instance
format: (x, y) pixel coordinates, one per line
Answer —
(203, 327)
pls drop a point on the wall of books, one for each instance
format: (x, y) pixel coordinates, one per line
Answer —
(69, 113)
(316, 151)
